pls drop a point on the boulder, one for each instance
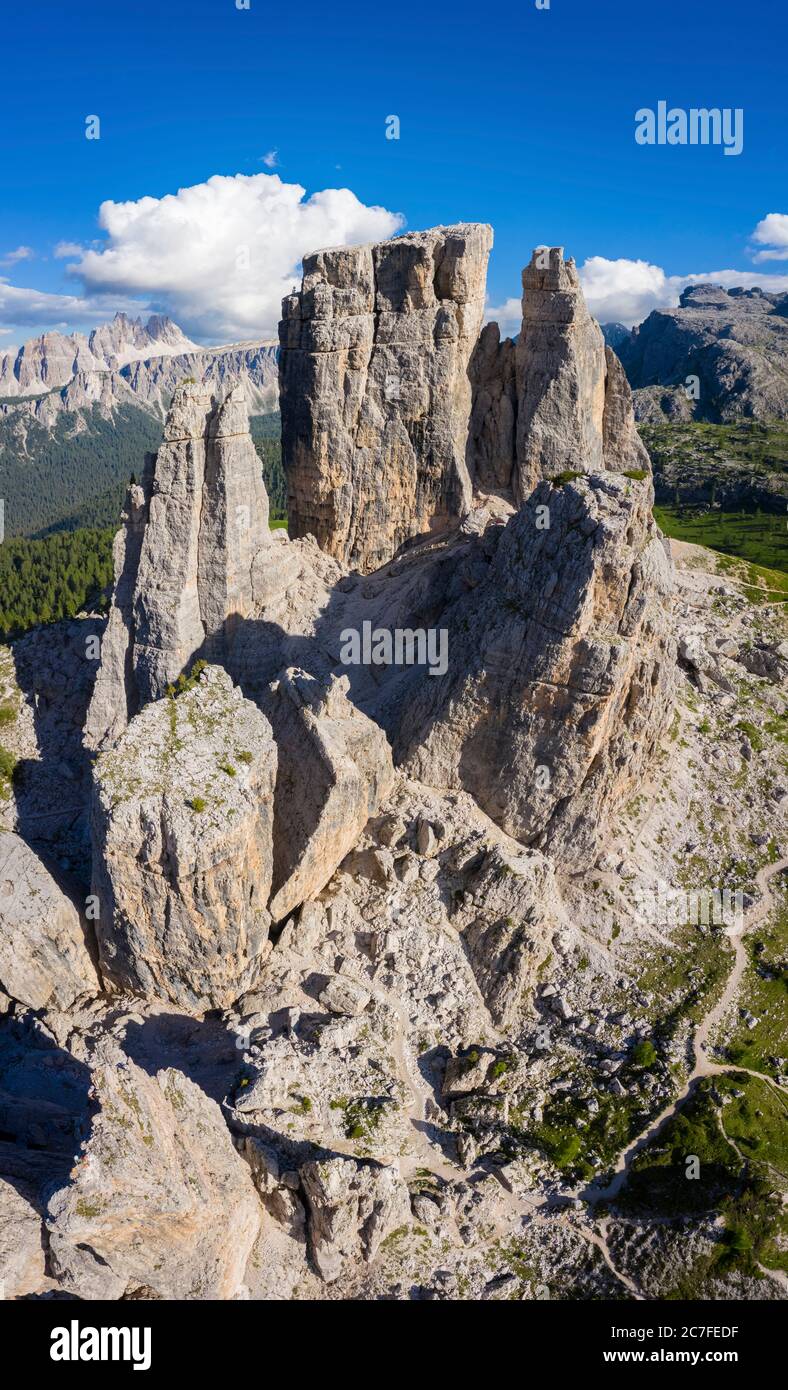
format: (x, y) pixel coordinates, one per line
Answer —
(183, 846)
(159, 1199)
(351, 1208)
(45, 954)
(22, 1260)
(335, 769)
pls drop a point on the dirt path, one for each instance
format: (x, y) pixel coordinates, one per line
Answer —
(703, 1065)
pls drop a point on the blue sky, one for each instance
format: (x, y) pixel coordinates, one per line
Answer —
(514, 115)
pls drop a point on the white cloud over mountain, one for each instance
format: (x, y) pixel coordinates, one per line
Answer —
(626, 291)
(219, 256)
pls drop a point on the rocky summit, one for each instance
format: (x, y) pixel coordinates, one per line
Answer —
(721, 355)
(335, 960)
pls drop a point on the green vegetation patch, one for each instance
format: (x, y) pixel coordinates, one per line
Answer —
(735, 1126)
(7, 769)
(46, 580)
(758, 539)
(764, 995)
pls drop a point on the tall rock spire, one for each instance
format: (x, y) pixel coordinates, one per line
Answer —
(184, 559)
(556, 401)
(374, 389)
(560, 372)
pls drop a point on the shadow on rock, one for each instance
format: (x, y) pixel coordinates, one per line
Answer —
(46, 1110)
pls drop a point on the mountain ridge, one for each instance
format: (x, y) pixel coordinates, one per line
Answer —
(732, 344)
(127, 362)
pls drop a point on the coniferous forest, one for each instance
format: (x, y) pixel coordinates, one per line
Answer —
(60, 519)
(55, 577)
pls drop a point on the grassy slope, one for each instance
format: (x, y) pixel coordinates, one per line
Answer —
(758, 538)
(748, 450)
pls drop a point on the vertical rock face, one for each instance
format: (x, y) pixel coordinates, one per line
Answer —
(374, 388)
(560, 376)
(182, 842)
(115, 697)
(493, 425)
(335, 768)
(623, 448)
(22, 1258)
(184, 559)
(555, 402)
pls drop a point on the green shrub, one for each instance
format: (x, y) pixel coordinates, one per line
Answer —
(566, 1151)
(644, 1054)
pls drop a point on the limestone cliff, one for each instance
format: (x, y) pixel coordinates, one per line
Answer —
(557, 400)
(560, 679)
(374, 390)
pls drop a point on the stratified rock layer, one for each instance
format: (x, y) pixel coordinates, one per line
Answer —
(182, 839)
(374, 388)
(44, 959)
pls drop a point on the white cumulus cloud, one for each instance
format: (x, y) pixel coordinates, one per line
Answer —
(219, 256)
(772, 232)
(508, 316)
(626, 291)
(32, 308)
(270, 160)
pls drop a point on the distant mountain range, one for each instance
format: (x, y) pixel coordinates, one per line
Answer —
(77, 412)
(721, 356)
(126, 362)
